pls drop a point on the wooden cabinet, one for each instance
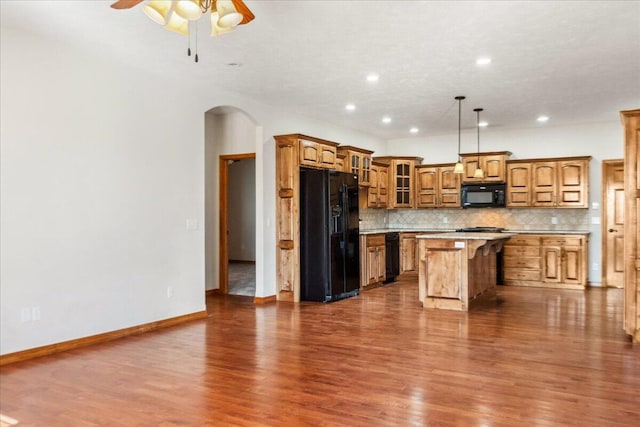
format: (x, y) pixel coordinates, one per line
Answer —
(372, 259)
(378, 192)
(437, 186)
(558, 261)
(317, 153)
(293, 151)
(408, 253)
(560, 183)
(518, 184)
(548, 183)
(358, 162)
(401, 180)
(493, 164)
(631, 124)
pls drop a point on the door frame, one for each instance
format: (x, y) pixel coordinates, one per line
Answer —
(606, 164)
(224, 216)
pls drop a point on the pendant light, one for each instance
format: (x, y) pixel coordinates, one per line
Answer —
(479, 173)
(459, 168)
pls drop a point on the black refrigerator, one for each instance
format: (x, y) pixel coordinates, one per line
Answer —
(329, 235)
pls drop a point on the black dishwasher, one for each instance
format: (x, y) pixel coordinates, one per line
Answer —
(392, 258)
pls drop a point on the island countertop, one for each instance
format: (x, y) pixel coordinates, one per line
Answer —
(460, 235)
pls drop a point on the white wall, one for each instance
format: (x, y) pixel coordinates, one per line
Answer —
(101, 167)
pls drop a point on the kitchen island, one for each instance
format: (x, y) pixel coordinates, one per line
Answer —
(457, 269)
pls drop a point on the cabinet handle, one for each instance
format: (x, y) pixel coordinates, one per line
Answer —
(612, 230)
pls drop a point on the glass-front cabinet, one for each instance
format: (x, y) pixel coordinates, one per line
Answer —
(401, 180)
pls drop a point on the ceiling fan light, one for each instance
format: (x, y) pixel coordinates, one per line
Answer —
(216, 29)
(178, 24)
(157, 10)
(228, 15)
(188, 9)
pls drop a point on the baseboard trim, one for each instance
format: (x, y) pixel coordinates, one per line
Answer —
(210, 292)
(265, 300)
(46, 350)
(241, 261)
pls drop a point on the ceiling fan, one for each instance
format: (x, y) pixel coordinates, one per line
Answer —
(175, 15)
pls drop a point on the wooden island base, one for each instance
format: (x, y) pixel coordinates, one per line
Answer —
(457, 270)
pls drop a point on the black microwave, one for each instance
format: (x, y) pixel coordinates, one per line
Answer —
(488, 195)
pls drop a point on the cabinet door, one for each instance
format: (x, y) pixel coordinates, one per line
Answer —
(372, 265)
(382, 264)
(470, 165)
(448, 187)
(403, 171)
(372, 191)
(572, 184)
(493, 167)
(327, 158)
(518, 185)
(426, 187)
(543, 184)
(551, 264)
(383, 186)
(408, 249)
(365, 170)
(309, 153)
(572, 264)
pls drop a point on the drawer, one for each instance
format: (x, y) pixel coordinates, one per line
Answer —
(375, 240)
(515, 274)
(561, 241)
(524, 240)
(521, 251)
(522, 262)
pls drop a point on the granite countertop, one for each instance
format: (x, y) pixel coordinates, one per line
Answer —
(449, 230)
(467, 236)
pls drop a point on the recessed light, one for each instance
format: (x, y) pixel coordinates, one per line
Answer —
(386, 119)
(373, 78)
(542, 119)
(483, 61)
(483, 124)
(234, 64)
(350, 107)
(414, 130)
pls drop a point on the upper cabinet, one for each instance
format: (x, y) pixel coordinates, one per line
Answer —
(492, 164)
(358, 162)
(548, 183)
(315, 152)
(437, 186)
(378, 191)
(401, 180)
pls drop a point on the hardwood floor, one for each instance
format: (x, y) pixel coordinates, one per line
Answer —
(533, 357)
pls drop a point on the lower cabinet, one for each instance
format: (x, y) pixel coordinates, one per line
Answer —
(408, 253)
(554, 261)
(372, 259)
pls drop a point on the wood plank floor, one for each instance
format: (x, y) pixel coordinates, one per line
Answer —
(533, 357)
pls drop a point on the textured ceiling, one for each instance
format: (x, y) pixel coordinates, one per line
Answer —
(574, 61)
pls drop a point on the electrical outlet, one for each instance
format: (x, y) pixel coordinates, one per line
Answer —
(35, 314)
(445, 220)
(595, 220)
(192, 224)
(554, 220)
(169, 291)
(25, 315)
(595, 266)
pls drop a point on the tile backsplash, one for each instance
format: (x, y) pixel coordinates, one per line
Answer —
(520, 219)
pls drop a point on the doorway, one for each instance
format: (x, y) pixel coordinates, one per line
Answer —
(237, 224)
(613, 202)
